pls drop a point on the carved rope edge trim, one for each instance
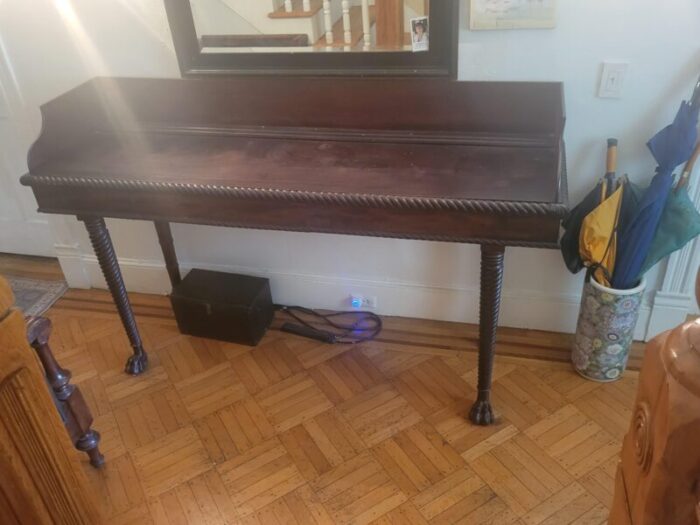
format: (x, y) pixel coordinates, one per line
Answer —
(344, 199)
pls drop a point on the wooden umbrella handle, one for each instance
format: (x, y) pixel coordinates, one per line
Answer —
(688, 170)
(611, 162)
(695, 99)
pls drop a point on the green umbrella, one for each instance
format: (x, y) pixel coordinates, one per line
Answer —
(680, 221)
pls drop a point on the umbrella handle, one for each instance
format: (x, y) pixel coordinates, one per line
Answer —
(688, 170)
(611, 161)
(695, 99)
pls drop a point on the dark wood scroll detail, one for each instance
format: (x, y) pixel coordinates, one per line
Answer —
(77, 417)
(490, 305)
(292, 40)
(107, 258)
(167, 245)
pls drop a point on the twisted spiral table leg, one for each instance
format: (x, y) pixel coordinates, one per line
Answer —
(489, 307)
(167, 244)
(102, 244)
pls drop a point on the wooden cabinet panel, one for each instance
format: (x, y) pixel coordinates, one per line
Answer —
(42, 481)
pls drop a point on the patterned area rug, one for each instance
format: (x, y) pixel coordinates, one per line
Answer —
(34, 297)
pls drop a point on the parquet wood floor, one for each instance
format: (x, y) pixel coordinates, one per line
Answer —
(297, 432)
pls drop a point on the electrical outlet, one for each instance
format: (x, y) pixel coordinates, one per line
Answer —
(362, 302)
(356, 301)
(612, 79)
(369, 302)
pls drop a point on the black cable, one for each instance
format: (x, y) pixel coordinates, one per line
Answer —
(367, 326)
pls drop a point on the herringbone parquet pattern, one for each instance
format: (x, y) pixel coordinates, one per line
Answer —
(295, 432)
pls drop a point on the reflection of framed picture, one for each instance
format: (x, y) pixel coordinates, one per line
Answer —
(512, 14)
(420, 37)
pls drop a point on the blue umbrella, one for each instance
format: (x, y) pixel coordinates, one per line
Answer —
(671, 147)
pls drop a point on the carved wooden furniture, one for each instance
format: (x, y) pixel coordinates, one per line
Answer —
(69, 400)
(658, 479)
(433, 159)
(40, 480)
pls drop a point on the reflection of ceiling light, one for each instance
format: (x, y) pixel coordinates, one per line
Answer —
(80, 37)
(117, 110)
(65, 9)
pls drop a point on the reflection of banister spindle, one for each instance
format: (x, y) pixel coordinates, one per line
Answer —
(365, 25)
(288, 6)
(328, 21)
(346, 21)
(307, 5)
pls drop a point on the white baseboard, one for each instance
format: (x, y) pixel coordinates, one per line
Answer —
(537, 311)
(30, 237)
(72, 264)
(668, 311)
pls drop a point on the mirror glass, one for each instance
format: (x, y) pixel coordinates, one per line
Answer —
(312, 26)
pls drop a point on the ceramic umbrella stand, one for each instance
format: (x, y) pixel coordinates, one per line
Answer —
(605, 330)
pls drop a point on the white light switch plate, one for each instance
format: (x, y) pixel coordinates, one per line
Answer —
(612, 79)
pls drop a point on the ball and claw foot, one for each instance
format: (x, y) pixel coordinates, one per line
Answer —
(137, 363)
(481, 413)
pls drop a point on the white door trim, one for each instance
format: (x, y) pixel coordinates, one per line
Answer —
(676, 297)
(22, 229)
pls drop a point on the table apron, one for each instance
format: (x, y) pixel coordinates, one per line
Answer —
(409, 223)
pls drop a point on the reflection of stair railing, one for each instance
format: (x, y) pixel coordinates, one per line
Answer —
(346, 21)
(328, 20)
(367, 36)
(347, 24)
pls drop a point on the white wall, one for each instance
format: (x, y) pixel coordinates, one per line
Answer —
(215, 17)
(50, 54)
(22, 229)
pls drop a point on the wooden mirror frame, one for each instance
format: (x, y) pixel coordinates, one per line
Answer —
(440, 60)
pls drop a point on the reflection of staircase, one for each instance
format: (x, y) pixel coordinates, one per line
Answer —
(312, 19)
(297, 10)
(356, 30)
(338, 19)
(344, 24)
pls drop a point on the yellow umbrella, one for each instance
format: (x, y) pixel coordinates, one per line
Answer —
(598, 239)
(598, 235)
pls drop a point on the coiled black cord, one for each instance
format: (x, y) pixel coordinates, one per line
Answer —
(366, 326)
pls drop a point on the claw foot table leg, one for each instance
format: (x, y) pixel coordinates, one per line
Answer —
(102, 244)
(490, 305)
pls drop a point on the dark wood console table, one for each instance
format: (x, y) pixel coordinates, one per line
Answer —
(426, 158)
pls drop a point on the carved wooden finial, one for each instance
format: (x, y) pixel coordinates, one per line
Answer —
(659, 478)
(7, 298)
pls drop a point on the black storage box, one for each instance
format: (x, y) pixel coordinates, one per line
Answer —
(224, 306)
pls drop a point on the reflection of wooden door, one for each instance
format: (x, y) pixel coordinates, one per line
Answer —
(390, 30)
(41, 481)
